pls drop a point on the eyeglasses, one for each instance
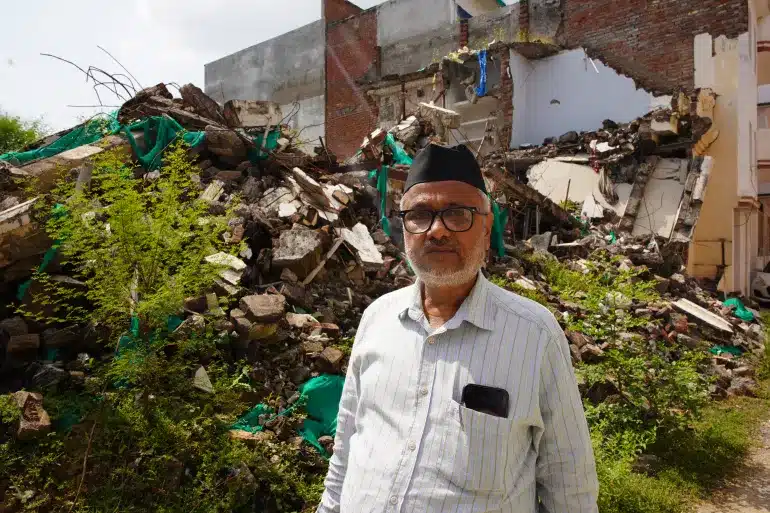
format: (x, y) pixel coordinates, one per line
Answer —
(455, 219)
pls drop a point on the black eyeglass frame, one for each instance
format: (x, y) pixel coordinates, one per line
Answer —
(440, 213)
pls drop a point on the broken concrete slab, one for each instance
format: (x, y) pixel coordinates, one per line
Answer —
(263, 307)
(364, 245)
(202, 382)
(34, 421)
(225, 142)
(296, 320)
(213, 191)
(14, 326)
(226, 260)
(20, 236)
(23, 343)
(193, 97)
(703, 315)
(331, 359)
(299, 250)
(252, 113)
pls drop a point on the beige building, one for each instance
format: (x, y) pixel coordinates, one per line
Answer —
(731, 240)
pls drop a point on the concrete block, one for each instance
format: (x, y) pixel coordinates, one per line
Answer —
(252, 113)
(299, 250)
(263, 307)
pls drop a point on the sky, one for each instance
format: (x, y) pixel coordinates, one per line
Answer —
(156, 40)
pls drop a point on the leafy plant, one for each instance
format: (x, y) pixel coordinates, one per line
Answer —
(137, 246)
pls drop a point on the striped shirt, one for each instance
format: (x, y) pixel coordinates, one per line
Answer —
(404, 442)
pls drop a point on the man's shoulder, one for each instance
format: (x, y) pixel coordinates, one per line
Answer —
(525, 308)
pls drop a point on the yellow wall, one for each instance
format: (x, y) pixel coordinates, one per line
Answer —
(721, 197)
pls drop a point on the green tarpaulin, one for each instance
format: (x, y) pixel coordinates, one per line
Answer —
(321, 397)
(740, 311)
(159, 133)
(87, 133)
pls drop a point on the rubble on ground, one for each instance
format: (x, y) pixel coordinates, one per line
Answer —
(316, 251)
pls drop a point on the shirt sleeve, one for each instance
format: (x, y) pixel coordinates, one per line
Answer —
(335, 477)
(566, 469)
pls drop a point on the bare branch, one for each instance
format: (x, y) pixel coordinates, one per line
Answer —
(121, 65)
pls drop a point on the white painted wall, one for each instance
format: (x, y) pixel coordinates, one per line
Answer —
(565, 92)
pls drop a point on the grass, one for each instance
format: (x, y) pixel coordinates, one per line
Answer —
(689, 465)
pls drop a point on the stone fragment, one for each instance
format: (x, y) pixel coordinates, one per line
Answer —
(323, 327)
(202, 104)
(21, 343)
(226, 260)
(289, 276)
(213, 191)
(380, 237)
(229, 176)
(743, 371)
(60, 337)
(724, 375)
(578, 339)
(299, 250)
(14, 326)
(362, 242)
(327, 442)
(251, 113)
(34, 421)
(202, 382)
(541, 243)
(225, 143)
(77, 377)
(296, 320)
(299, 375)
(251, 438)
(741, 386)
(49, 376)
(591, 353)
(662, 284)
(331, 359)
(263, 307)
(312, 346)
(569, 138)
(575, 353)
(195, 304)
(679, 322)
(686, 341)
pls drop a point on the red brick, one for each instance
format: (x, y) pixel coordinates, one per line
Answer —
(656, 35)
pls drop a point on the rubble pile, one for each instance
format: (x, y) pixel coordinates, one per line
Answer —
(317, 254)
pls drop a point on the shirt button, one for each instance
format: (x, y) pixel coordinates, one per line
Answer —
(424, 391)
(431, 340)
(412, 446)
(394, 500)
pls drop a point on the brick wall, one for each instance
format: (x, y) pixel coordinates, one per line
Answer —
(336, 10)
(656, 35)
(351, 54)
(505, 108)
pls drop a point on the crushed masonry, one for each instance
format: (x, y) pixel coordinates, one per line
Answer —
(311, 241)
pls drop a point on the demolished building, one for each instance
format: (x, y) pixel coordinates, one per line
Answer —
(548, 68)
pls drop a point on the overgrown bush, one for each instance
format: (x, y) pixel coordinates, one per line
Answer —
(138, 246)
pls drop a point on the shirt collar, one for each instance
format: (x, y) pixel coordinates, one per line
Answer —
(473, 309)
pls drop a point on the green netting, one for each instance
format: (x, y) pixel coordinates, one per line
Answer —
(258, 153)
(87, 133)
(321, 397)
(159, 133)
(499, 220)
(740, 311)
(399, 155)
(717, 350)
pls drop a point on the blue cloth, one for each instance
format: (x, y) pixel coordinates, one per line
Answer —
(481, 90)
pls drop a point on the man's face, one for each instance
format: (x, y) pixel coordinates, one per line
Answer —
(440, 256)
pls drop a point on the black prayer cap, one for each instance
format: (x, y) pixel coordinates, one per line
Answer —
(441, 163)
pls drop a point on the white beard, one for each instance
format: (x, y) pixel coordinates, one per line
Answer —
(437, 278)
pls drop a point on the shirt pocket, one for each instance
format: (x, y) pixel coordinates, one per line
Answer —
(480, 443)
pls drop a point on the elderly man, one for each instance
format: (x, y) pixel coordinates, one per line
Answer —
(459, 396)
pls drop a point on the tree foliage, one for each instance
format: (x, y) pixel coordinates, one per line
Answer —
(16, 133)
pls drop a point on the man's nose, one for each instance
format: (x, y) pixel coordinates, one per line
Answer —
(438, 230)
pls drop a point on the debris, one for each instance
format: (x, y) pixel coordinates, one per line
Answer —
(251, 113)
(202, 382)
(360, 239)
(298, 250)
(14, 326)
(34, 421)
(263, 307)
(49, 376)
(213, 191)
(22, 343)
(299, 320)
(321, 265)
(331, 359)
(703, 315)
